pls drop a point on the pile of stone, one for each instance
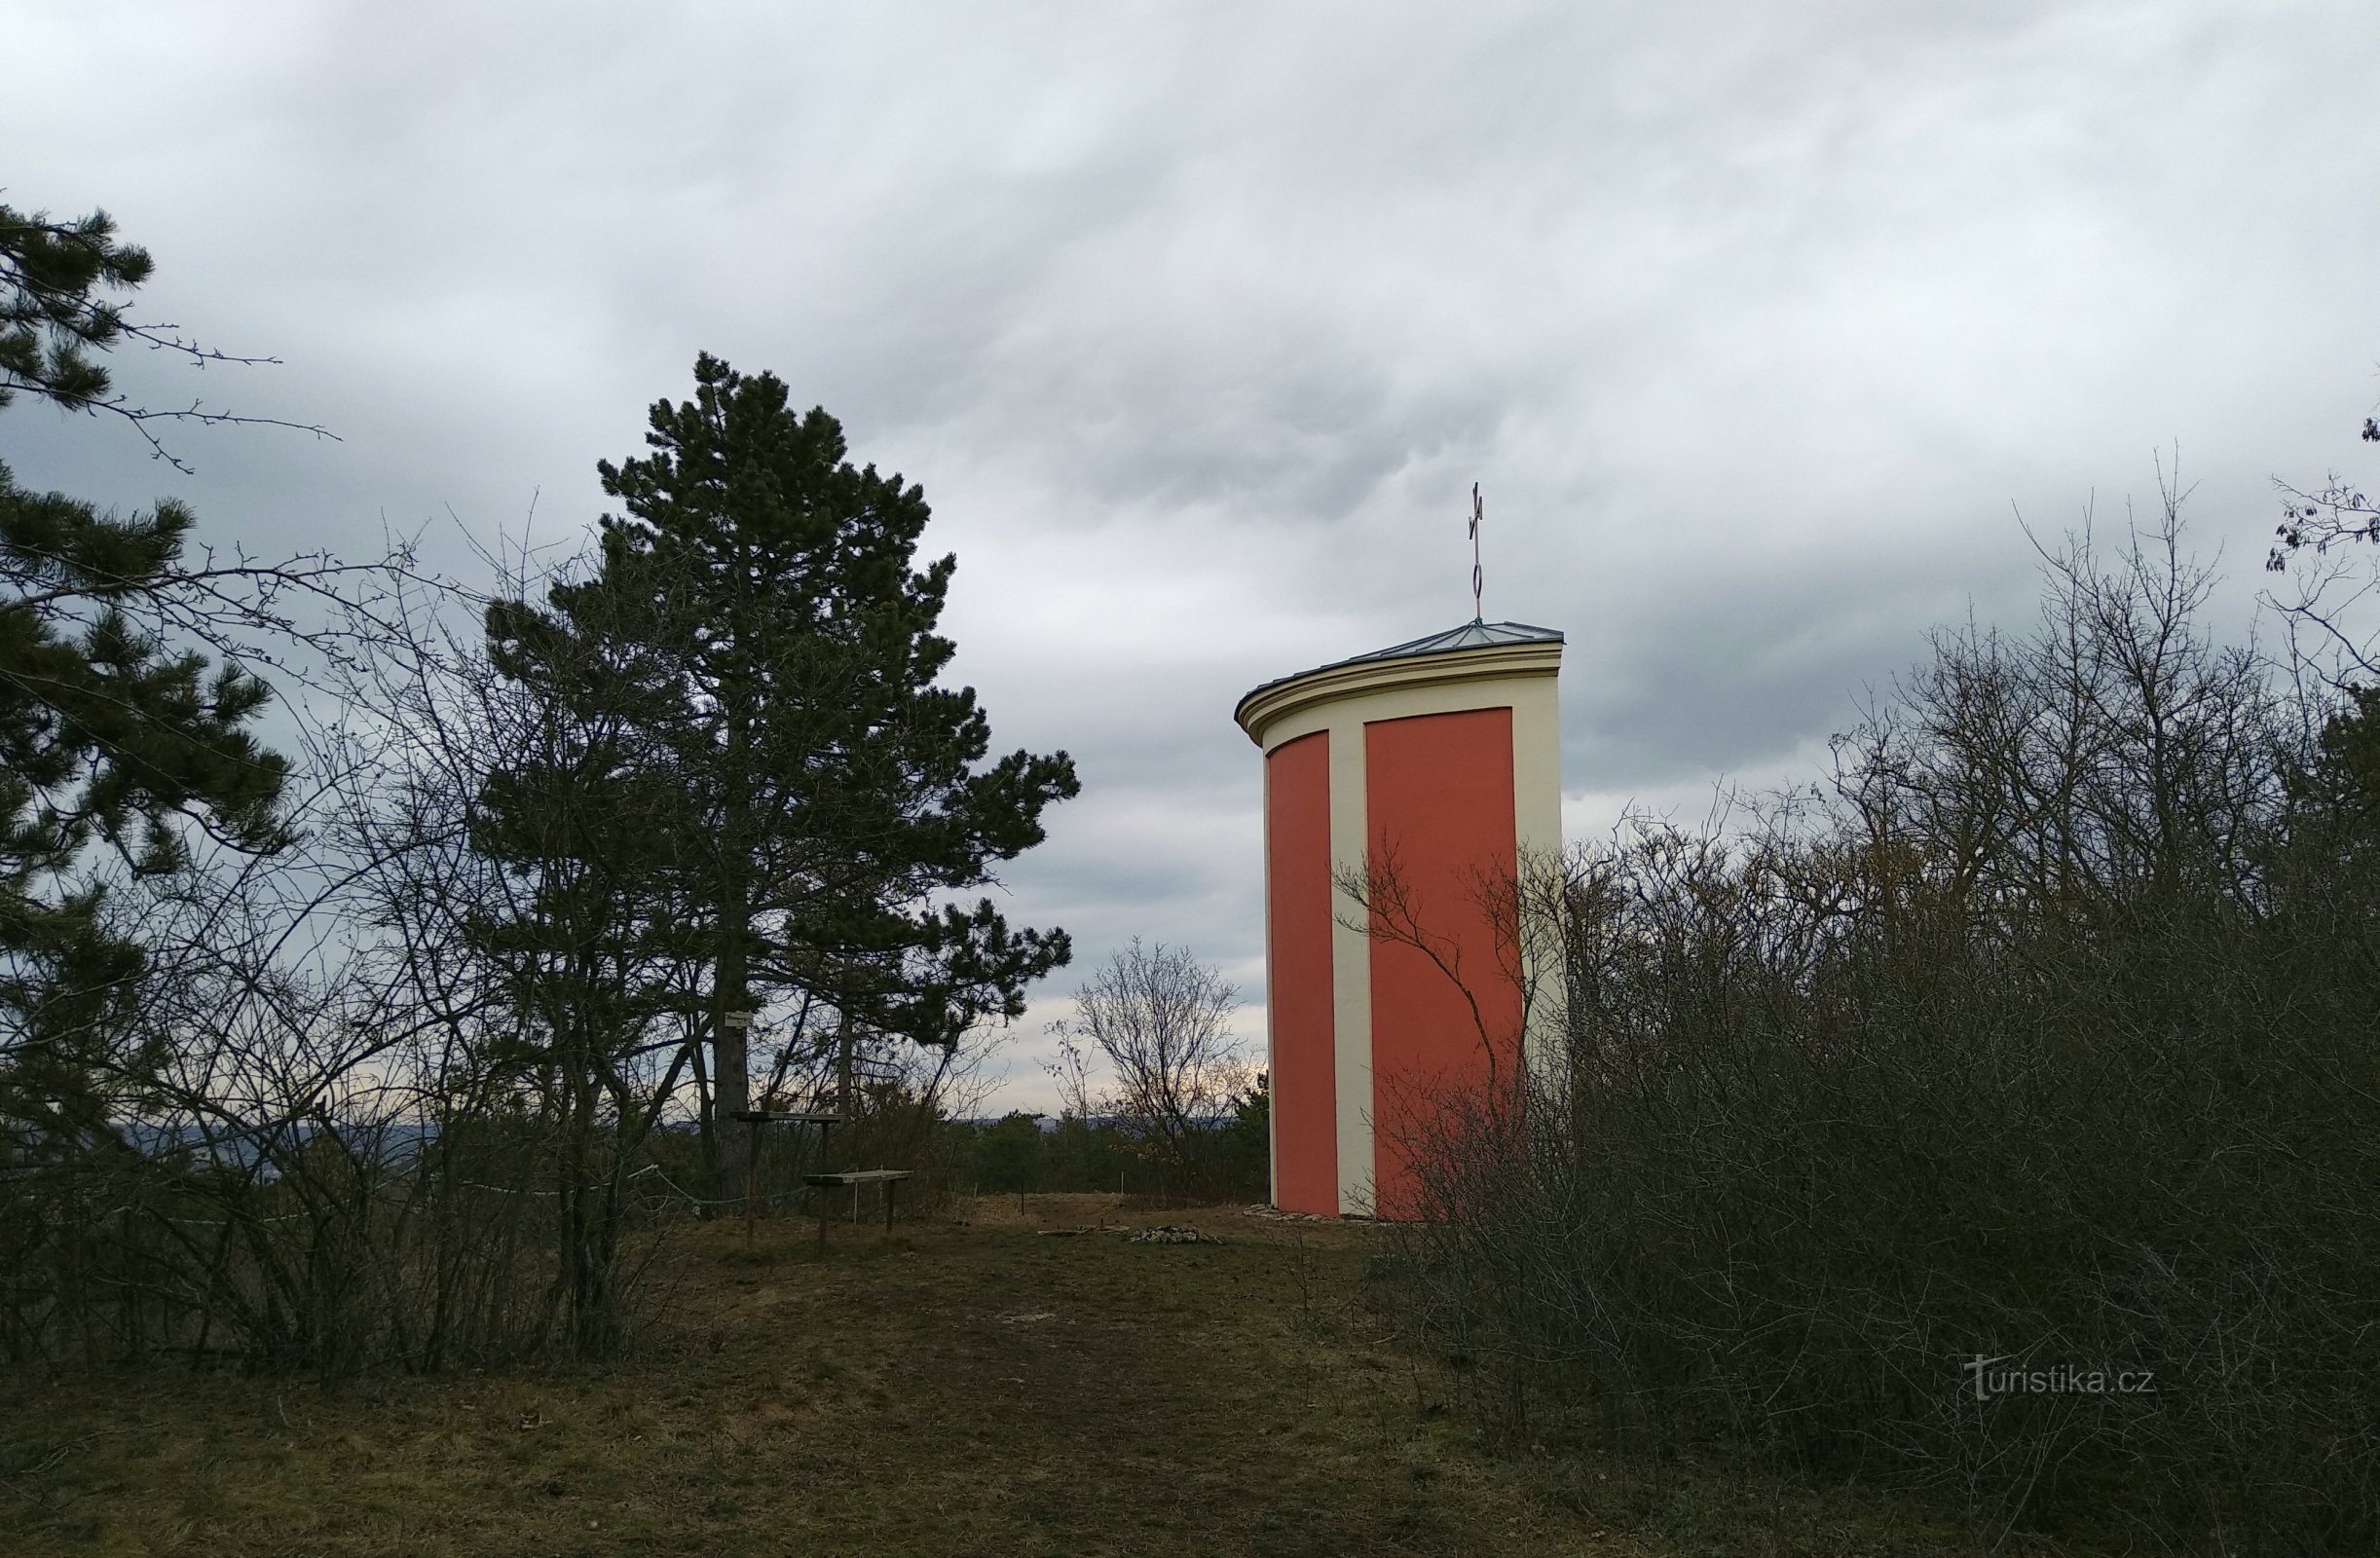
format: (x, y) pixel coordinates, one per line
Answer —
(1170, 1233)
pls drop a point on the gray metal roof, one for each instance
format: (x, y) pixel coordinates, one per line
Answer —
(1472, 635)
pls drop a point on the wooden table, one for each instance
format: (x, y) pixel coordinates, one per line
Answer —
(755, 1119)
(889, 1179)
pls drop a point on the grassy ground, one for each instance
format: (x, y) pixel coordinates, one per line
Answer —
(968, 1385)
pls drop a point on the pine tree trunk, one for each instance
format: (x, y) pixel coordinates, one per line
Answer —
(731, 1082)
(847, 1102)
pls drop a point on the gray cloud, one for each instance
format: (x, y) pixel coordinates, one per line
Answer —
(1197, 324)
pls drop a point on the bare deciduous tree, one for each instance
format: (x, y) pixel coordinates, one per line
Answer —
(2336, 584)
(1163, 1023)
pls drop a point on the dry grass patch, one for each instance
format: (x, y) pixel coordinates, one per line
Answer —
(964, 1385)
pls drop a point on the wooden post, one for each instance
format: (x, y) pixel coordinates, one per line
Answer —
(751, 1177)
(732, 1086)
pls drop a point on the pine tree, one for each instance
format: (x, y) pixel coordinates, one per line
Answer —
(53, 310)
(115, 743)
(760, 605)
(575, 813)
(56, 313)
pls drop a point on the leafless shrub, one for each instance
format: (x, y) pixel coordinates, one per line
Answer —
(1162, 1024)
(336, 1128)
(2043, 1039)
(278, 1183)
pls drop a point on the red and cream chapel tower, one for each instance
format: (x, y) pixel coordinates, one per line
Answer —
(1441, 757)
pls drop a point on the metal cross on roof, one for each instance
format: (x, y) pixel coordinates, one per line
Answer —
(1478, 513)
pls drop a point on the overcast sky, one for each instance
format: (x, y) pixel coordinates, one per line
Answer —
(1758, 324)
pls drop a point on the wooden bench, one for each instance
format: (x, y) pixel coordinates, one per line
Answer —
(889, 1179)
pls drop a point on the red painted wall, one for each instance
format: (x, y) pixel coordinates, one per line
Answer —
(1297, 991)
(1439, 802)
